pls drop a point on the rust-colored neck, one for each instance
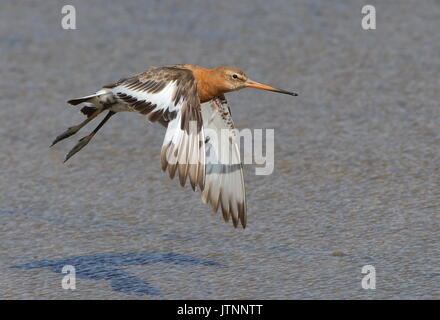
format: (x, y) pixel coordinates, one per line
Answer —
(209, 83)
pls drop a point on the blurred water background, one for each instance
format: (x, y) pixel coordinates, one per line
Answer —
(357, 156)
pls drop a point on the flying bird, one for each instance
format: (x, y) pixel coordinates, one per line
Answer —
(189, 101)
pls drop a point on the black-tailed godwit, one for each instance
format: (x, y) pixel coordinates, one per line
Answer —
(189, 101)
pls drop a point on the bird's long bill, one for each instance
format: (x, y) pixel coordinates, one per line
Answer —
(256, 85)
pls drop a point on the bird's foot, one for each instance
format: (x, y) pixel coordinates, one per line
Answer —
(81, 144)
(69, 132)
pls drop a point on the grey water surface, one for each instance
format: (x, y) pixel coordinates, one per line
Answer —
(356, 179)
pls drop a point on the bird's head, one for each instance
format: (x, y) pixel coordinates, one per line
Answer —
(232, 79)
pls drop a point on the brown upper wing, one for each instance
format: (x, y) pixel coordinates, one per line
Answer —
(170, 94)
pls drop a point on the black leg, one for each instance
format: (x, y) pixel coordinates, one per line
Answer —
(84, 141)
(72, 130)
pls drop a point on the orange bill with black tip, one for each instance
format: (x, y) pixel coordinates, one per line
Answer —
(257, 85)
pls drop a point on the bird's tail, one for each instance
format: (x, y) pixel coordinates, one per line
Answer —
(100, 98)
(77, 101)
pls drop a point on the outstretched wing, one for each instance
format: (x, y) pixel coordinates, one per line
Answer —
(170, 94)
(224, 183)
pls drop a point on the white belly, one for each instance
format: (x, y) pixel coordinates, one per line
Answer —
(121, 107)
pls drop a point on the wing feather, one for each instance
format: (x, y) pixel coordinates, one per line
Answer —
(224, 182)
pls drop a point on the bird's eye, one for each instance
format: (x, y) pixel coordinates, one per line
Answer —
(235, 76)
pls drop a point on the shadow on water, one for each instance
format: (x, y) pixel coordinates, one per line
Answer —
(105, 267)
